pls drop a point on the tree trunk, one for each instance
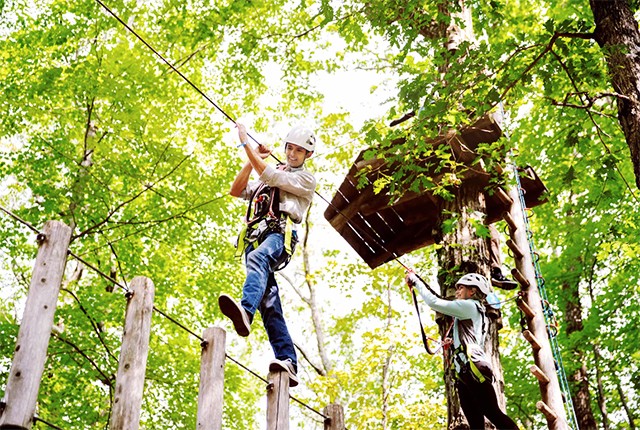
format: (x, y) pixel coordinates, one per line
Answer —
(618, 36)
(581, 398)
(464, 251)
(602, 400)
(625, 405)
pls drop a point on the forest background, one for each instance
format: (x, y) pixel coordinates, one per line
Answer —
(98, 133)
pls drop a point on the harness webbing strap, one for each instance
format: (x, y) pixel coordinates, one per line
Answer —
(425, 341)
(241, 245)
(461, 353)
(288, 237)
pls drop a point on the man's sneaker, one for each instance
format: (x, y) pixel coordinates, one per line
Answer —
(287, 366)
(499, 280)
(236, 314)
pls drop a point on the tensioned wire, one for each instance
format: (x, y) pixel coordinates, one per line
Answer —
(396, 258)
(128, 292)
(194, 86)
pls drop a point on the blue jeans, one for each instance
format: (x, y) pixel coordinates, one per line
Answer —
(260, 292)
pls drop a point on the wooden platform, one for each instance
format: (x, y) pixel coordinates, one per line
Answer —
(379, 231)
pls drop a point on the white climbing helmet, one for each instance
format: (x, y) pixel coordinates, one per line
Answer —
(302, 137)
(476, 280)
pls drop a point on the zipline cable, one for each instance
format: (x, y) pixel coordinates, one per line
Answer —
(20, 220)
(167, 62)
(194, 86)
(36, 419)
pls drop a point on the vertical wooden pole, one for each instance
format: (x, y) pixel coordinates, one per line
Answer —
(211, 379)
(30, 353)
(278, 401)
(543, 357)
(335, 417)
(133, 356)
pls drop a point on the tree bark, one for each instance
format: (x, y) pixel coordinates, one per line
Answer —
(618, 36)
(602, 400)
(625, 405)
(463, 252)
(581, 398)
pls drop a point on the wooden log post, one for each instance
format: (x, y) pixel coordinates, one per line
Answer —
(278, 401)
(543, 357)
(211, 379)
(335, 417)
(133, 356)
(30, 353)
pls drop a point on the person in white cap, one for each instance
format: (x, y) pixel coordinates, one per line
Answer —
(277, 200)
(469, 363)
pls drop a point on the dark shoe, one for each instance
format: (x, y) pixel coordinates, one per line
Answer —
(498, 280)
(287, 366)
(236, 314)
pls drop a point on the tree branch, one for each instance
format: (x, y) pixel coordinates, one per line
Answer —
(131, 199)
(96, 326)
(107, 380)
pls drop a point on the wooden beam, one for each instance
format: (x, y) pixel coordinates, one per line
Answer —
(517, 252)
(30, 353)
(211, 389)
(278, 401)
(504, 197)
(539, 374)
(524, 282)
(510, 222)
(547, 411)
(532, 340)
(525, 308)
(133, 356)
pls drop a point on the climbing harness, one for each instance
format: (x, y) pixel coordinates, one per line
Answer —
(264, 217)
(263, 203)
(479, 370)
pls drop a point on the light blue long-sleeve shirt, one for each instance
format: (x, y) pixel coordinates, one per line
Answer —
(468, 315)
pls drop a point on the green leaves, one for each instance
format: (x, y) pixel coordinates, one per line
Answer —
(99, 133)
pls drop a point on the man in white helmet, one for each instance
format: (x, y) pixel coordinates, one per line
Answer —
(469, 363)
(277, 200)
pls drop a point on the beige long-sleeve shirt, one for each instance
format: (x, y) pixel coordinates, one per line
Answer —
(297, 186)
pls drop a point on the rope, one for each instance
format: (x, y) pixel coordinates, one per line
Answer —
(425, 339)
(549, 317)
(167, 62)
(99, 272)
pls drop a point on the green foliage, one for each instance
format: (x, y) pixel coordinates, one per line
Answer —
(99, 133)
